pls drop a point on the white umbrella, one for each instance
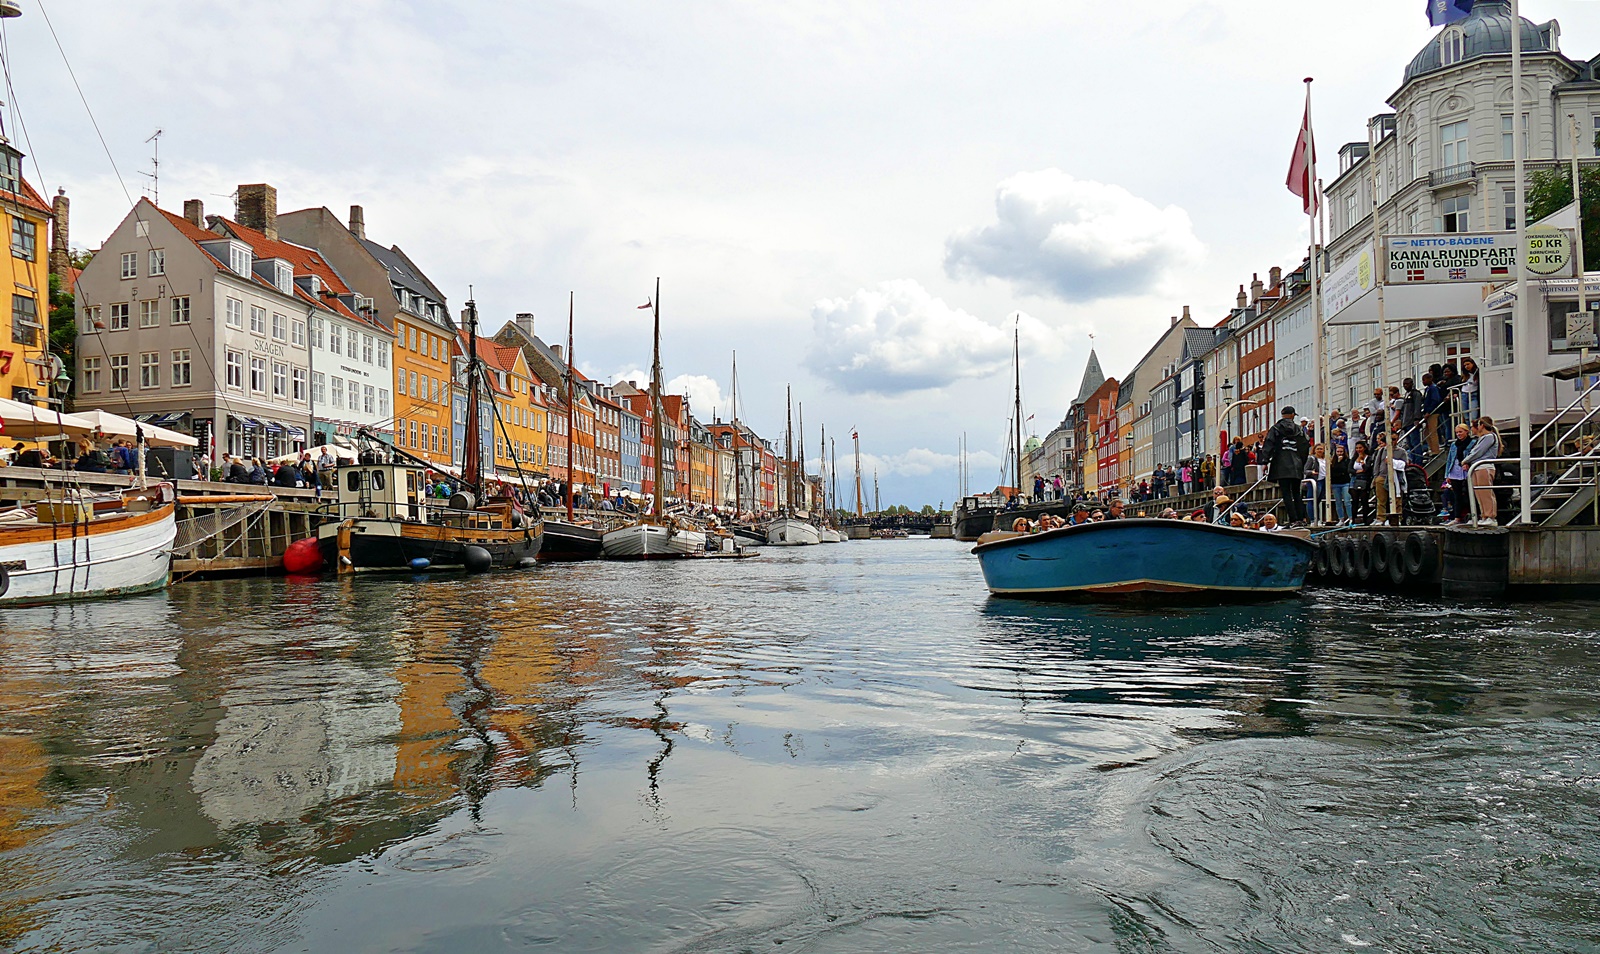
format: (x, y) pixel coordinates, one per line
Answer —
(30, 422)
(115, 425)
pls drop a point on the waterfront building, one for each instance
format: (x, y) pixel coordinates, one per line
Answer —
(1297, 379)
(1441, 161)
(1164, 421)
(1134, 461)
(1189, 418)
(1099, 426)
(722, 457)
(631, 454)
(25, 316)
(607, 438)
(511, 385)
(702, 482)
(228, 359)
(1259, 408)
(399, 297)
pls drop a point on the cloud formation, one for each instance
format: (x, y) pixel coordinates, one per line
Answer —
(1074, 240)
(898, 338)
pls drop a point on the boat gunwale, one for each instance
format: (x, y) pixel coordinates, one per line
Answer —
(1130, 522)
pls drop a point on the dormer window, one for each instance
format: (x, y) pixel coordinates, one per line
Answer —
(1450, 45)
(283, 276)
(239, 259)
(10, 169)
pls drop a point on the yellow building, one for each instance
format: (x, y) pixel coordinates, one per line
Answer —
(517, 441)
(25, 315)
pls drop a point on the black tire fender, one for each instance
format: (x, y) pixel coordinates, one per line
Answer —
(1422, 554)
(1397, 560)
(1380, 546)
(1362, 561)
(1320, 561)
(5, 580)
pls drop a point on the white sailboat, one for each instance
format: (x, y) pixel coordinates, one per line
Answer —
(656, 537)
(788, 529)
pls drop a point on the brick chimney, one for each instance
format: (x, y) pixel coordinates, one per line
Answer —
(358, 222)
(1255, 288)
(1174, 320)
(1243, 299)
(1275, 276)
(60, 250)
(1185, 312)
(525, 322)
(195, 211)
(257, 208)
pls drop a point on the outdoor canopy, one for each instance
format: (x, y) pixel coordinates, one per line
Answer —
(115, 425)
(29, 422)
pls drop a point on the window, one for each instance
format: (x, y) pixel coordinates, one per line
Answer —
(235, 313)
(1559, 312)
(369, 399)
(258, 320)
(258, 375)
(130, 264)
(354, 393)
(412, 334)
(235, 369)
(280, 327)
(150, 369)
(319, 388)
(1412, 223)
(24, 238)
(1508, 204)
(239, 259)
(1351, 210)
(181, 373)
(91, 374)
(149, 313)
(351, 344)
(316, 332)
(297, 381)
(1450, 47)
(1453, 144)
(11, 171)
(24, 321)
(383, 354)
(283, 276)
(180, 310)
(338, 391)
(119, 316)
(335, 337)
(412, 375)
(158, 261)
(280, 380)
(383, 402)
(1456, 214)
(91, 320)
(119, 372)
(1412, 161)
(297, 334)
(411, 430)
(366, 348)
(1506, 137)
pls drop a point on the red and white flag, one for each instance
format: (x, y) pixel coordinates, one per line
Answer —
(1303, 164)
(645, 305)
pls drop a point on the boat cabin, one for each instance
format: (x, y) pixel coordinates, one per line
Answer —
(383, 491)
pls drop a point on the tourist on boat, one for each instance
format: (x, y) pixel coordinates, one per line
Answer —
(28, 457)
(1485, 446)
(1080, 514)
(1456, 489)
(1169, 514)
(1285, 450)
(1236, 519)
(1269, 523)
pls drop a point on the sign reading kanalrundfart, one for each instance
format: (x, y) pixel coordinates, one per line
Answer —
(1473, 256)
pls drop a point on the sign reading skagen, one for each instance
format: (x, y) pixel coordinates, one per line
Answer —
(1459, 257)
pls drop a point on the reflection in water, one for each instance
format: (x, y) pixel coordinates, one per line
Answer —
(845, 749)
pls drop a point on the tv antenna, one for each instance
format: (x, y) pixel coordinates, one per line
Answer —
(155, 167)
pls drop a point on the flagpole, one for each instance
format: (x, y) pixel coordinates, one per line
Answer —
(1313, 266)
(1519, 308)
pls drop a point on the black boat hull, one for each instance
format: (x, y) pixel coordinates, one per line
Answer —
(566, 541)
(395, 546)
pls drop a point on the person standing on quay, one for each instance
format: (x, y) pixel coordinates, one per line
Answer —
(1285, 451)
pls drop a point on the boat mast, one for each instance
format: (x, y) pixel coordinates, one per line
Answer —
(1016, 370)
(855, 435)
(738, 455)
(569, 406)
(822, 466)
(471, 456)
(833, 477)
(655, 398)
(788, 448)
(800, 457)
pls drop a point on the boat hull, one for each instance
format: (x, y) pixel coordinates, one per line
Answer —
(1144, 559)
(648, 541)
(566, 541)
(829, 535)
(789, 532)
(750, 537)
(972, 524)
(113, 556)
(392, 545)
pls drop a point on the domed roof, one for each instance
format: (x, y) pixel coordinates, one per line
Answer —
(1484, 32)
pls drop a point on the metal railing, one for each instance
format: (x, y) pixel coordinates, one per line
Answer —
(1572, 477)
(1459, 172)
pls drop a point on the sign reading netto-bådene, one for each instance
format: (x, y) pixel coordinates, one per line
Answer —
(1456, 257)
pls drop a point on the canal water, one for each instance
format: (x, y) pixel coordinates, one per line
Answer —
(837, 749)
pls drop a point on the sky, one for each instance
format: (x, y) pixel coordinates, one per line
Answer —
(863, 200)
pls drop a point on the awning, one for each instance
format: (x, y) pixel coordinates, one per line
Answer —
(115, 425)
(273, 427)
(170, 418)
(29, 422)
(248, 423)
(296, 434)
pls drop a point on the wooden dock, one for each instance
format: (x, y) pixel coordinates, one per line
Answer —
(1460, 563)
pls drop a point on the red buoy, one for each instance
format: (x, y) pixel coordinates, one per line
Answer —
(302, 556)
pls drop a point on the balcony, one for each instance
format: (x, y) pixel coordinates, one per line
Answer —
(1449, 175)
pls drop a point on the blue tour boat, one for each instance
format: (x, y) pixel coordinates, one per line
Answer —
(1142, 558)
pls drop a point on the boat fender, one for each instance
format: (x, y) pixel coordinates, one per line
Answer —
(1397, 560)
(1330, 546)
(476, 560)
(1380, 545)
(420, 563)
(5, 580)
(1319, 560)
(1361, 554)
(302, 556)
(1421, 554)
(1347, 556)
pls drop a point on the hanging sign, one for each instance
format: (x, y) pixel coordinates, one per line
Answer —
(1549, 251)
(1454, 257)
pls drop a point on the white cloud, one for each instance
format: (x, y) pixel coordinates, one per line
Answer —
(1076, 240)
(897, 338)
(705, 395)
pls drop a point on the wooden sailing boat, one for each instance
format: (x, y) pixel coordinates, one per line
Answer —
(826, 531)
(744, 533)
(789, 529)
(390, 519)
(569, 539)
(657, 536)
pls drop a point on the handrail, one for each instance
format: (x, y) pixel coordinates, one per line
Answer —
(1562, 413)
(1222, 514)
(1572, 460)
